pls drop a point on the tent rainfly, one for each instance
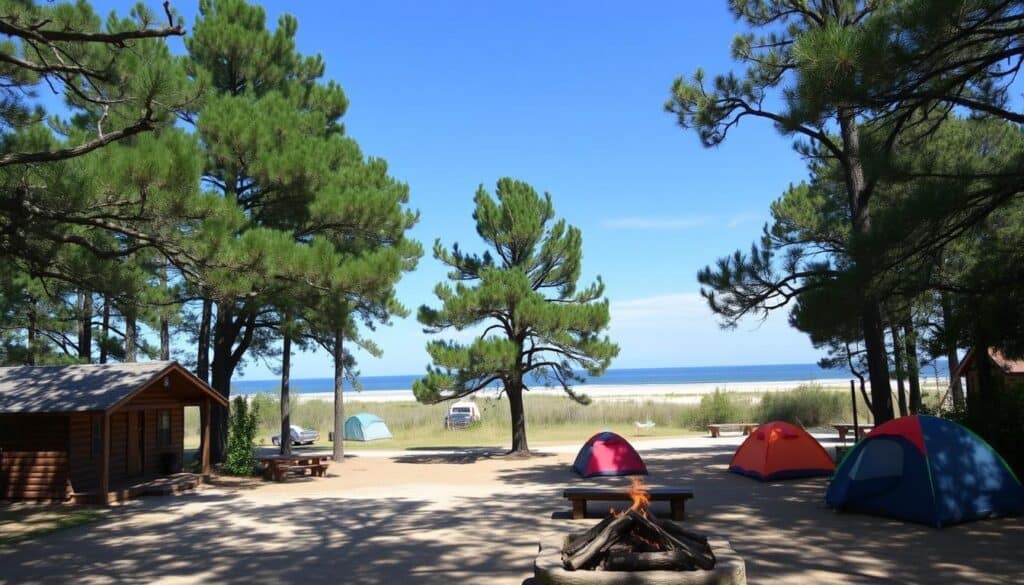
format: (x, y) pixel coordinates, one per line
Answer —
(366, 427)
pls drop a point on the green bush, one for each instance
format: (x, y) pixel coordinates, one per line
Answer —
(998, 421)
(241, 448)
(808, 405)
(717, 407)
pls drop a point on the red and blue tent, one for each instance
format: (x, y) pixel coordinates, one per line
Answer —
(607, 453)
(928, 470)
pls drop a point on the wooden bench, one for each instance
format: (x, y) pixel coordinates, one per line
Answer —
(716, 429)
(579, 496)
(845, 428)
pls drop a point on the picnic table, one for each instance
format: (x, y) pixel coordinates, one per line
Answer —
(675, 496)
(845, 428)
(279, 467)
(716, 428)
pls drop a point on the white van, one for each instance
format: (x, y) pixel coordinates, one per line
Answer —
(461, 415)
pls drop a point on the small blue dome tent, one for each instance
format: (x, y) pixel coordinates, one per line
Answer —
(366, 427)
(925, 469)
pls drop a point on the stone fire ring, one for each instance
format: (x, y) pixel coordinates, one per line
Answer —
(729, 570)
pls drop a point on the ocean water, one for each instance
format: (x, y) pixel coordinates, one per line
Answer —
(631, 376)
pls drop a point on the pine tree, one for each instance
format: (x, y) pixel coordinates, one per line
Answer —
(316, 211)
(537, 324)
(788, 33)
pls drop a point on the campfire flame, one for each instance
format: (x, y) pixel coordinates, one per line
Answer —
(641, 497)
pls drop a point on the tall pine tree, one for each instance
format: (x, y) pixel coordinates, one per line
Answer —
(537, 324)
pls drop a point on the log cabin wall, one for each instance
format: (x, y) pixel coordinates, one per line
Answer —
(34, 456)
(85, 451)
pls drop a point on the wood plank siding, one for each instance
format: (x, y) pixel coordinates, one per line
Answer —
(84, 458)
(33, 457)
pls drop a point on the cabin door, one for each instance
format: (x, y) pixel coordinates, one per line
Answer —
(136, 442)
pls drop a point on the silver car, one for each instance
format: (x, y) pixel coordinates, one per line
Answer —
(300, 436)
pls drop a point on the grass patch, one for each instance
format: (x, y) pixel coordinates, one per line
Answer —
(22, 523)
(557, 419)
(550, 419)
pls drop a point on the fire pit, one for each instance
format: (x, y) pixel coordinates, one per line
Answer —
(633, 546)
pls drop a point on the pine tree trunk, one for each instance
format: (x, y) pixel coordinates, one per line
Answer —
(165, 339)
(85, 327)
(286, 397)
(105, 329)
(871, 314)
(897, 358)
(203, 349)
(203, 364)
(221, 370)
(913, 366)
(953, 360)
(165, 326)
(131, 339)
(514, 391)
(878, 364)
(339, 398)
(982, 395)
(30, 334)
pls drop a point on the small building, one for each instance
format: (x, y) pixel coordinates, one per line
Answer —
(1004, 371)
(89, 432)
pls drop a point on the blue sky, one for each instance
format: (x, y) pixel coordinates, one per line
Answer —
(567, 96)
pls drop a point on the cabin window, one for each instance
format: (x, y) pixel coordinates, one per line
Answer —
(97, 436)
(163, 428)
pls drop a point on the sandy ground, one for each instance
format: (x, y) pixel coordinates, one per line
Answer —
(471, 516)
(684, 393)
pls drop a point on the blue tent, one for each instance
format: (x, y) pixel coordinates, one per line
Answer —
(366, 427)
(928, 470)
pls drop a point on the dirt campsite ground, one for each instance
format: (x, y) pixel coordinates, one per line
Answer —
(474, 516)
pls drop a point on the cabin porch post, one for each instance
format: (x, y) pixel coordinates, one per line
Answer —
(205, 455)
(105, 462)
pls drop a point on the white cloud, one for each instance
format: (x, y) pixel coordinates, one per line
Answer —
(742, 218)
(678, 329)
(655, 223)
(659, 308)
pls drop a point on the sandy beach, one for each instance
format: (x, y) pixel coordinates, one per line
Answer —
(679, 393)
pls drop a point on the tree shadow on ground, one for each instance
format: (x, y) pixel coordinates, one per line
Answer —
(786, 533)
(230, 539)
(462, 456)
(487, 532)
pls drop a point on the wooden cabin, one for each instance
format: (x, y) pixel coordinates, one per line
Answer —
(85, 432)
(1004, 371)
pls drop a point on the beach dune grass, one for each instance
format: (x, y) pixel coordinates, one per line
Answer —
(548, 419)
(557, 419)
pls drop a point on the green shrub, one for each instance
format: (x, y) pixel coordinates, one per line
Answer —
(717, 407)
(241, 448)
(998, 421)
(808, 405)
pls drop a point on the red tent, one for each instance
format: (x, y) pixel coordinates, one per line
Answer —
(779, 450)
(607, 453)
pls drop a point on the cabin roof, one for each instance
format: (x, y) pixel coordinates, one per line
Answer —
(1008, 366)
(83, 387)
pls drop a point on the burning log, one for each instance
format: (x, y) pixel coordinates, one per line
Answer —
(681, 533)
(633, 541)
(605, 539)
(578, 541)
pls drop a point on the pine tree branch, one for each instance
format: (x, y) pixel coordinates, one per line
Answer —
(36, 33)
(15, 158)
